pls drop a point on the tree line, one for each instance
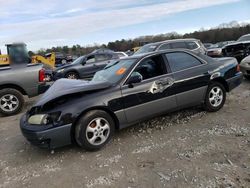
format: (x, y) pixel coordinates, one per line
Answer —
(223, 32)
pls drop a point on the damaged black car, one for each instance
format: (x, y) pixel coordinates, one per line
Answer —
(126, 92)
(239, 49)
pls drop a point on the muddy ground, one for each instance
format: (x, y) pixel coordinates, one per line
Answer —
(189, 148)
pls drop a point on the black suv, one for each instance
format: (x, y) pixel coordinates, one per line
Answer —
(239, 49)
(194, 45)
(86, 66)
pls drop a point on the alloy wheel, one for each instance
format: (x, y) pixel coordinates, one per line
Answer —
(97, 131)
(9, 103)
(216, 96)
(72, 76)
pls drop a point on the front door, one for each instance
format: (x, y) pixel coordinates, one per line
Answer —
(153, 94)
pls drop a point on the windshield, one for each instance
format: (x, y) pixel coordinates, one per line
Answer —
(146, 49)
(244, 38)
(78, 60)
(114, 71)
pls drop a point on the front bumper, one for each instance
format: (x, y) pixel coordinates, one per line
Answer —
(235, 81)
(48, 137)
(57, 76)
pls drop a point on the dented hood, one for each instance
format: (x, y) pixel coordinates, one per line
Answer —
(64, 87)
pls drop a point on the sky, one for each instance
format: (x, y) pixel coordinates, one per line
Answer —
(47, 23)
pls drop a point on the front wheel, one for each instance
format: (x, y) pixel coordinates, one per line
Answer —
(72, 75)
(11, 101)
(215, 97)
(247, 77)
(94, 130)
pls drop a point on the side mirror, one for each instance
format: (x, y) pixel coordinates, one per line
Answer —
(136, 78)
(83, 62)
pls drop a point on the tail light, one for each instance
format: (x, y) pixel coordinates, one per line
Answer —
(238, 68)
(42, 75)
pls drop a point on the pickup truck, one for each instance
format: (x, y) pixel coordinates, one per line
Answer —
(17, 81)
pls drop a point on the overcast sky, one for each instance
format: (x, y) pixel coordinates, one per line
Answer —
(47, 23)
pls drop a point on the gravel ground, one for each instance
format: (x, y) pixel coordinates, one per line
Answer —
(189, 148)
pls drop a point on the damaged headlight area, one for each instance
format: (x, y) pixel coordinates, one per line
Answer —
(44, 119)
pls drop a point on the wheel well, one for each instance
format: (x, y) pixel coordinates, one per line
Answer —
(72, 71)
(95, 108)
(13, 86)
(222, 81)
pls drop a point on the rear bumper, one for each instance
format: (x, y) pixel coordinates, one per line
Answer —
(235, 81)
(49, 138)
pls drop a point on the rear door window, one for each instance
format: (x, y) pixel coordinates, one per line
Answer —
(180, 60)
(165, 46)
(192, 45)
(178, 45)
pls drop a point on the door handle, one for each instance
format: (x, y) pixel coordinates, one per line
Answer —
(166, 81)
(160, 85)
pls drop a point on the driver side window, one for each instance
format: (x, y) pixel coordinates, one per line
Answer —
(150, 68)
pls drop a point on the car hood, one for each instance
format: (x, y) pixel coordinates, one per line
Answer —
(65, 87)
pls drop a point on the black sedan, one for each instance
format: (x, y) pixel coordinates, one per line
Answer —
(127, 91)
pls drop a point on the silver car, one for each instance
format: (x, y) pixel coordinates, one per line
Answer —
(194, 45)
(245, 67)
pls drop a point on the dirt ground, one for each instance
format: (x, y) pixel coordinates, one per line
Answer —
(189, 148)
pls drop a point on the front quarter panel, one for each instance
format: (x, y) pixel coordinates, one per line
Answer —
(78, 104)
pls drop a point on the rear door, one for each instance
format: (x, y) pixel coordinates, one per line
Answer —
(191, 77)
(153, 95)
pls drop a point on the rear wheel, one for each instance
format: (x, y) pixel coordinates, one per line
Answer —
(215, 97)
(11, 101)
(72, 75)
(94, 130)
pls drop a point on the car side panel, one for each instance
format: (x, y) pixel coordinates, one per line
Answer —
(191, 85)
(141, 101)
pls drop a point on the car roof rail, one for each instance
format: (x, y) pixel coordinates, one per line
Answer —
(102, 50)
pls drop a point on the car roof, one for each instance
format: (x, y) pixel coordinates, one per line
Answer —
(171, 41)
(143, 55)
(245, 35)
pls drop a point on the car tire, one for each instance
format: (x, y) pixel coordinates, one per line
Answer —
(247, 77)
(11, 101)
(215, 97)
(94, 129)
(72, 75)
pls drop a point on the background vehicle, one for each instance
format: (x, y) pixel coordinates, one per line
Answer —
(191, 44)
(245, 67)
(51, 60)
(239, 49)
(215, 50)
(121, 54)
(60, 58)
(208, 45)
(125, 92)
(86, 66)
(17, 79)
